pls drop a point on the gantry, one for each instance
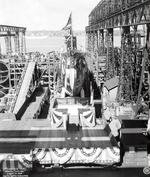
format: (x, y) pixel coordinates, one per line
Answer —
(18, 35)
(132, 17)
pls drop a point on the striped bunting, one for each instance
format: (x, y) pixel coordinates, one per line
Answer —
(77, 155)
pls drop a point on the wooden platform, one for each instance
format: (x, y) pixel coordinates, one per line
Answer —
(22, 136)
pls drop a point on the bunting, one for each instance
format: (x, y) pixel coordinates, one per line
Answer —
(88, 118)
(56, 119)
(107, 156)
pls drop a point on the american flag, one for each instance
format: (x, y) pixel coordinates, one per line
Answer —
(69, 23)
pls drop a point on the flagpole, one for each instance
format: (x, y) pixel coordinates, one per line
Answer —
(71, 34)
(70, 40)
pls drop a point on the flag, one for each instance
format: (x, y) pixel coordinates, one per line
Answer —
(69, 23)
(68, 38)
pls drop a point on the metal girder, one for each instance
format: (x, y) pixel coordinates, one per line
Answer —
(137, 14)
(18, 34)
(5, 28)
(4, 35)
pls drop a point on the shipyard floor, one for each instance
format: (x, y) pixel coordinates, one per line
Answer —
(107, 172)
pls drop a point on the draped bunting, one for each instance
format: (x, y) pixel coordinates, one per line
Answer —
(109, 156)
(56, 119)
(59, 118)
(87, 118)
(100, 156)
(42, 155)
(61, 156)
(88, 155)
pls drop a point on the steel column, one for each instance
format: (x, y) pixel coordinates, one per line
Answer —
(125, 90)
(22, 43)
(16, 42)
(8, 44)
(148, 51)
(110, 54)
(101, 43)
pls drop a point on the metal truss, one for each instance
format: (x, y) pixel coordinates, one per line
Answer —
(126, 15)
(18, 34)
(109, 15)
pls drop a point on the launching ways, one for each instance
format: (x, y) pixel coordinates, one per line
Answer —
(25, 86)
(29, 96)
(25, 98)
(35, 104)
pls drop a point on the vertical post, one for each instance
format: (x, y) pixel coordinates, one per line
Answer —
(96, 53)
(71, 34)
(125, 83)
(110, 53)
(15, 76)
(141, 81)
(90, 49)
(22, 42)
(95, 41)
(98, 39)
(148, 51)
(8, 44)
(92, 41)
(10, 86)
(101, 42)
(87, 41)
(49, 67)
(16, 42)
